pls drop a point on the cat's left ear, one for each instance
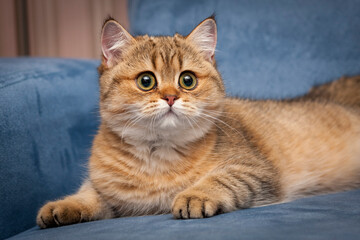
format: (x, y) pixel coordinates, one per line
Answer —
(114, 41)
(204, 36)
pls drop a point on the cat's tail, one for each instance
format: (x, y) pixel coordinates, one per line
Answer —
(344, 91)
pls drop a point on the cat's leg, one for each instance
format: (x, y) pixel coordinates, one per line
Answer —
(227, 189)
(83, 206)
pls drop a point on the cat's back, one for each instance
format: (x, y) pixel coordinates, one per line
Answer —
(344, 91)
(293, 122)
(333, 106)
(312, 143)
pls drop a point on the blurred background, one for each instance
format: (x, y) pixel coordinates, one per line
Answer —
(56, 28)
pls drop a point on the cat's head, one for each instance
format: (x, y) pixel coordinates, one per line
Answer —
(160, 87)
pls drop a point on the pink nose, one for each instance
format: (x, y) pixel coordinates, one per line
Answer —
(170, 99)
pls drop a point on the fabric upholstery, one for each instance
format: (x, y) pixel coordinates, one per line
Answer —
(48, 117)
(266, 49)
(335, 216)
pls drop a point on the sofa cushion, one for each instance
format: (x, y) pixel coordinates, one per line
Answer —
(334, 216)
(48, 116)
(266, 49)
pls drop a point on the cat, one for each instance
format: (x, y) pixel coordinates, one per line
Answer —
(170, 141)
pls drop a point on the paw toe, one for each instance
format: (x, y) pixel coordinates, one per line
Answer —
(45, 217)
(194, 205)
(58, 213)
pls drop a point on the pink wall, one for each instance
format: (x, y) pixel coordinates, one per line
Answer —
(60, 28)
(8, 36)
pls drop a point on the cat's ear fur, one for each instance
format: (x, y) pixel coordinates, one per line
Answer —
(204, 36)
(114, 41)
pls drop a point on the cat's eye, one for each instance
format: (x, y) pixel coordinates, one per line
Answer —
(187, 80)
(146, 81)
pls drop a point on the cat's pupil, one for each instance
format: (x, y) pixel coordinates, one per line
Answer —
(146, 81)
(188, 80)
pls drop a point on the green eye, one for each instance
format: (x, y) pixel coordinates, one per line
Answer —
(187, 80)
(146, 81)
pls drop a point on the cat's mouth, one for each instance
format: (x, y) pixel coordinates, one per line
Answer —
(170, 113)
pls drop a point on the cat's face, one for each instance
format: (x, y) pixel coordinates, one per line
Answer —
(160, 86)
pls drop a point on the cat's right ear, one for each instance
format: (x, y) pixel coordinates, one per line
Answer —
(114, 40)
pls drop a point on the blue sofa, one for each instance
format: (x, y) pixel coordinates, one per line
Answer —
(266, 49)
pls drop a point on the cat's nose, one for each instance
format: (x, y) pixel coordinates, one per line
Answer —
(170, 99)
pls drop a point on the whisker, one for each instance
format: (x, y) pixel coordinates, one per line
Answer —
(190, 124)
(215, 125)
(217, 119)
(132, 123)
(221, 113)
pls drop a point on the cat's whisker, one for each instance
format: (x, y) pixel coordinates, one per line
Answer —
(123, 130)
(185, 110)
(150, 108)
(152, 125)
(215, 125)
(217, 119)
(201, 115)
(185, 113)
(203, 135)
(130, 124)
(127, 114)
(221, 113)
(191, 125)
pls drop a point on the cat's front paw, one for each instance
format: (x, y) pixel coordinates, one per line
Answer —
(62, 212)
(195, 204)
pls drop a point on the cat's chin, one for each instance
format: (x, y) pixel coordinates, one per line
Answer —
(169, 120)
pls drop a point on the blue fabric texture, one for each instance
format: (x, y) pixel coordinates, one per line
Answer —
(48, 117)
(266, 49)
(335, 216)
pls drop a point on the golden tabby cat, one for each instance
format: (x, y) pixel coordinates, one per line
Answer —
(170, 141)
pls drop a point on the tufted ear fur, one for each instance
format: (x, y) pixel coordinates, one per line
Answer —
(114, 40)
(204, 36)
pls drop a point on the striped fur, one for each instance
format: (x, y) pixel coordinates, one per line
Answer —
(211, 154)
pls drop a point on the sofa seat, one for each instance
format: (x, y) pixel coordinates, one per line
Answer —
(332, 216)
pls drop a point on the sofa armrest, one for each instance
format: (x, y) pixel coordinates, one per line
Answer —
(48, 117)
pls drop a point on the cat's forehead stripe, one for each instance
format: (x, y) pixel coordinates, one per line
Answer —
(163, 57)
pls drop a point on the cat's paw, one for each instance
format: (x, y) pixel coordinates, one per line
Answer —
(62, 212)
(195, 204)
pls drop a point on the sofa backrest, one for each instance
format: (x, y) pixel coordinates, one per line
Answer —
(266, 49)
